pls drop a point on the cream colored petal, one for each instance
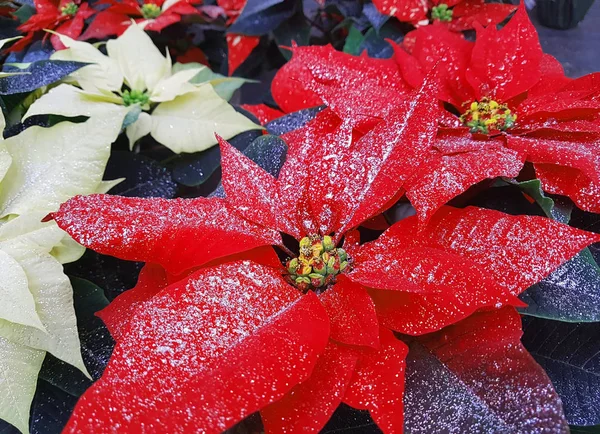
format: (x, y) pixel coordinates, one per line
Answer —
(5, 158)
(19, 369)
(140, 61)
(167, 4)
(173, 86)
(105, 186)
(30, 228)
(51, 165)
(103, 73)
(5, 41)
(140, 128)
(53, 295)
(189, 122)
(16, 302)
(69, 101)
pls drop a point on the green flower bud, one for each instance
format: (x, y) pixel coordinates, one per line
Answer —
(328, 243)
(150, 11)
(342, 254)
(320, 267)
(316, 280)
(292, 265)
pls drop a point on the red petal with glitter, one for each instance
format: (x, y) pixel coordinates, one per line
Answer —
(178, 234)
(263, 112)
(423, 289)
(470, 11)
(444, 177)
(239, 48)
(206, 353)
(310, 404)
(105, 24)
(256, 194)
(525, 248)
(382, 160)
(405, 10)
(552, 77)
(378, 383)
(572, 183)
(287, 89)
(582, 155)
(486, 356)
(436, 45)
(359, 89)
(351, 314)
(506, 62)
(117, 314)
(164, 20)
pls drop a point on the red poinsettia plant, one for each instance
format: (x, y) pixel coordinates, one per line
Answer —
(505, 103)
(231, 316)
(456, 15)
(154, 15)
(66, 17)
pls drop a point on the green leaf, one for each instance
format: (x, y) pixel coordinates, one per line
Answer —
(554, 209)
(224, 86)
(571, 293)
(296, 29)
(353, 41)
(24, 13)
(585, 429)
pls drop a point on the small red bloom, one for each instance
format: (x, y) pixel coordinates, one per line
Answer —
(66, 17)
(457, 15)
(155, 15)
(217, 328)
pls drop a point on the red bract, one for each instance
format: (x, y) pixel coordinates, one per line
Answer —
(456, 15)
(155, 15)
(239, 46)
(510, 103)
(64, 16)
(217, 328)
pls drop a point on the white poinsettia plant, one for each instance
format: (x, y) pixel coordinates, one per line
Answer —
(152, 96)
(39, 169)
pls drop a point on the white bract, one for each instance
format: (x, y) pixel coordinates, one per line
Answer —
(181, 115)
(39, 169)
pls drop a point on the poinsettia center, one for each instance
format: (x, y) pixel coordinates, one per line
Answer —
(441, 13)
(150, 11)
(487, 116)
(131, 97)
(317, 265)
(69, 9)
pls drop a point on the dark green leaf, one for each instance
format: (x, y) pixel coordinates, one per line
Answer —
(585, 429)
(353, 41)
(292, 121)
(24, 13)
(571, 293)
(144, 177)
(295, 30)
(36, 75)
(570, 354)
(195, 169)
(376, 18)
(260, 17)
(375, 41)
(267, 152)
